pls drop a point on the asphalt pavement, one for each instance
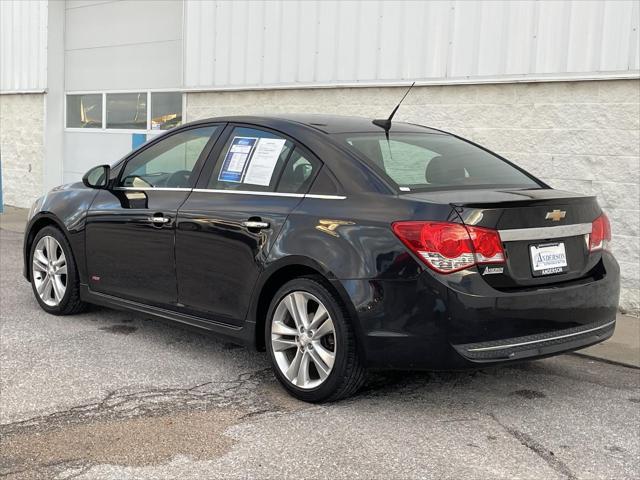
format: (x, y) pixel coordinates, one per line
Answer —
(116, 395)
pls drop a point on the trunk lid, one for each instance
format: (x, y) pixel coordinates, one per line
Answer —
(540, 229)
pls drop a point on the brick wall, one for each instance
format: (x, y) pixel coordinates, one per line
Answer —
(578, 136)
(21, 147)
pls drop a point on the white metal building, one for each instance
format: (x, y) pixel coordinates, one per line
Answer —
(552, 85)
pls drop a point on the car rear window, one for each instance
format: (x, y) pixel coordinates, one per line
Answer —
(427, 161)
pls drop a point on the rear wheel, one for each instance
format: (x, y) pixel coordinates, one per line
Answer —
(311, 344)
(54, 277)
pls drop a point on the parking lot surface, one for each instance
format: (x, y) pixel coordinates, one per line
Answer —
(108, 394)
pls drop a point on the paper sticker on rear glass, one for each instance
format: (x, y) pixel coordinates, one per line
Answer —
(264, 160)
(236, 160)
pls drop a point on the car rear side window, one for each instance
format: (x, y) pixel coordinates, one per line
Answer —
(251, 160)
(424, 161)
(298, 173)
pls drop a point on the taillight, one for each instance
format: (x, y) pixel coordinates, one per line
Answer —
(600, 234)
(448, 247)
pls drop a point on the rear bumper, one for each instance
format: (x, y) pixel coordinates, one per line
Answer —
(461, 322)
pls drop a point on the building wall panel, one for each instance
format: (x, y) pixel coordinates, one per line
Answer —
(23, 45)
(124, 67)
(125, 45)
(122, 23)
(280, 43)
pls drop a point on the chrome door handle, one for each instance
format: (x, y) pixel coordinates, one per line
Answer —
(159, 220)
(255, 224)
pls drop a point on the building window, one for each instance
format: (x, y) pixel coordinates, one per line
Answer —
(150, 111)
(84, 111)
(127, 111)
(166, 110)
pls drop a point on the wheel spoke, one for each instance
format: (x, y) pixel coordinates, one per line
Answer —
(292, 371)
(48, 289)
(322, 368)
(58, 289)
(43, 285)
(280, 344)
(38, 263)
(62, 270)
(327, 356)
(296, 303)
(325, 328)
(51, 247)
(320, 316)
(39, 260)
(303, 377)
(279, 328)
(61, 261)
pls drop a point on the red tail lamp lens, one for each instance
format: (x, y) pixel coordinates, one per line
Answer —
(600, 234)
(448, 247)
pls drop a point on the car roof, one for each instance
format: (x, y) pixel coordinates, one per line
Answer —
(330, 124)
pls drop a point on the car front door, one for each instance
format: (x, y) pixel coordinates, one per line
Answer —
(228, 224)
(130, 230)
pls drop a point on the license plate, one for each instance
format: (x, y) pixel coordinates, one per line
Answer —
(548, 259)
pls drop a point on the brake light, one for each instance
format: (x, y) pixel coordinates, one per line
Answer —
(448, 247)
(600, 234)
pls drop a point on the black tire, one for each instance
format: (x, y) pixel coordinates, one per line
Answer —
(348, 373)
(70, 303)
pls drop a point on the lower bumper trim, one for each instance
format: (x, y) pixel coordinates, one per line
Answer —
(535, 345)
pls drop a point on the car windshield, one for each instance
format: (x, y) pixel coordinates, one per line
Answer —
(428, 161)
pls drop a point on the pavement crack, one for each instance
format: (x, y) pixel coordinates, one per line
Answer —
(226, 393)
(545, 454)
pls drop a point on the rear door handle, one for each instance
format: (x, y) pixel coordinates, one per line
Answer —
(255, 224)
(159, 220)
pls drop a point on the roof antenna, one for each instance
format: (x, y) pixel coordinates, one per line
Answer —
(386, 123)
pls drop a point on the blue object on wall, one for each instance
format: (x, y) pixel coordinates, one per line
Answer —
(137, 139)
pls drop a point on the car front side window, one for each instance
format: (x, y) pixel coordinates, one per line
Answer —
(168, 163)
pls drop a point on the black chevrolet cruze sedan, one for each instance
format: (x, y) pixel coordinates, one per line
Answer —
(337, 244)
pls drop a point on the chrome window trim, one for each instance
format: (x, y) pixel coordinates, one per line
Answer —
(248, 192)
(271, 194)
(543, 233)
(236, 192)
(151, 189)
(325, 197)
(532, 342)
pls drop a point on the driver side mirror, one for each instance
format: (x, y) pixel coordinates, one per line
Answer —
(97, 177)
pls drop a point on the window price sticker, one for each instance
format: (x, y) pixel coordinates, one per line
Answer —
(236, 159)
(264, 160)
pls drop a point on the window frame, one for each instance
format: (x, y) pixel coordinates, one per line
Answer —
(197, 168)
(104, 129)
(84, 129)
(215, 157)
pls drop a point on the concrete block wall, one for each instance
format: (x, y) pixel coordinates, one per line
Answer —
(578, 136)
(21, 147)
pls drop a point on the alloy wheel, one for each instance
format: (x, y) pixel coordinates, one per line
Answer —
(49, 271)
(303, 339)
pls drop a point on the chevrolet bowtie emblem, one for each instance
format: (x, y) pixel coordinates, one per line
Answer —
(556, 215)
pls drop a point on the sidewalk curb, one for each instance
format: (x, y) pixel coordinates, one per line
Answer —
(605, 360)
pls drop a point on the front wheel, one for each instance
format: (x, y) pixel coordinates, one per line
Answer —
(311, 344)
(54, 277)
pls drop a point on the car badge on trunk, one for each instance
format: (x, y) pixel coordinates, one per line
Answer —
(556, 215)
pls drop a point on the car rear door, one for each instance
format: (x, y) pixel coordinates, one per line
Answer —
(225, 229)
(130, 229)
